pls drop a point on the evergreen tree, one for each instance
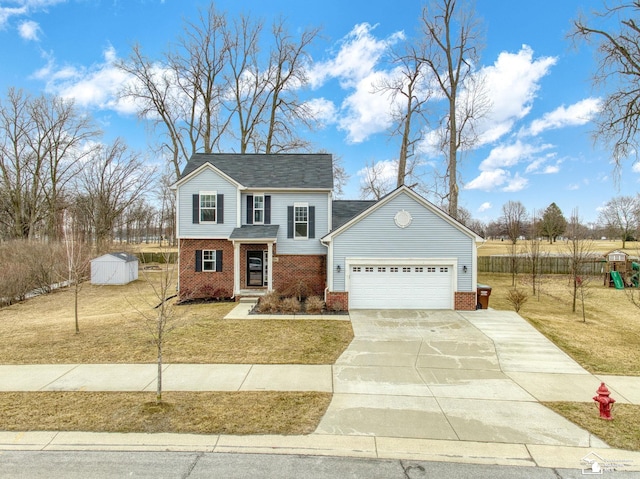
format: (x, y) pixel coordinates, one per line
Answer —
(553, 223)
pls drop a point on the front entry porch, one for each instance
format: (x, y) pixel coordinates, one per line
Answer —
(253, 249)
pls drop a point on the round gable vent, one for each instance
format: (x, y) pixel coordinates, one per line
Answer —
(403, 219)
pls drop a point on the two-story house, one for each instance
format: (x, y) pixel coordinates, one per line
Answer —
(248, 222)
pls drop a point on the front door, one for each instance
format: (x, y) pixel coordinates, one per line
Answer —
(255, 270)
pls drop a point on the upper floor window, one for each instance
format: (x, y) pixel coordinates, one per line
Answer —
(301, 220)
(258, 209)
(208, 207)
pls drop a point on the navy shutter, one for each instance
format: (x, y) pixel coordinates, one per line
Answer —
(220, 209)
(198, 260)
(312, 221)
(267, 209)
(289, 221)
(249, 209)
(196, 209)
(218, 260)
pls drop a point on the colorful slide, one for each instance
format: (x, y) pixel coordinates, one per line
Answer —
(617, 280)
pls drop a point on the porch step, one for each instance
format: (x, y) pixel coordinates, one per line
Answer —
(248, 299)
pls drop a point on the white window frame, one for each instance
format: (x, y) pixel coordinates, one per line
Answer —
(256, 210)
(296, 222)
(213, 194)
(209, 263)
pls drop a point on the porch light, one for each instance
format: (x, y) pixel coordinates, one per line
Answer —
(338, 268)
(464, 269)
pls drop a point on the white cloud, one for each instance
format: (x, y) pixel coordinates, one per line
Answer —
(385, 170)
(488, 180)
(93, 87)
(516, 183)
(509, 155)
(513, 82)
(636, 167)
(577, 114)
(573, 186)
(322, 110)
(485, 206)
(357, 57)
(29, 30)
(24, 7)
(363, 112)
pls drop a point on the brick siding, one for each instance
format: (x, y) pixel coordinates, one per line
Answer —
(292, 271)
(337, 300)
(289, 271)
(204, 284)
(465, 301)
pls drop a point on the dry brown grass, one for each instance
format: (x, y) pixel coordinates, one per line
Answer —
(181, 412)
(41, 331)
(607, 343)
(623, 432)
(496, 247)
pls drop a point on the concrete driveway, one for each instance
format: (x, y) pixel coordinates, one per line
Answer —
(469, 376)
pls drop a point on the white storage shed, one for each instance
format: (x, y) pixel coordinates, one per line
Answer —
(114, 268)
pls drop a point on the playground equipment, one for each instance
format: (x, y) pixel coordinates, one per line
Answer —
(621, 272)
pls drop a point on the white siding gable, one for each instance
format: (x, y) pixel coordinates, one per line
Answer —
(429, 235)
(206, 180)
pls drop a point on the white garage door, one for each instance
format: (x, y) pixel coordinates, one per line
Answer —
(400, 287)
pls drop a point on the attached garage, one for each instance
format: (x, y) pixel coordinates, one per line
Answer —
(397, 285)
(400, 252)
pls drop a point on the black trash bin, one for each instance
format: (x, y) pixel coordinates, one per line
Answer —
(483, 292)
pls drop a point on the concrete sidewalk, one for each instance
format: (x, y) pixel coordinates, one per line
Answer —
(428, 385)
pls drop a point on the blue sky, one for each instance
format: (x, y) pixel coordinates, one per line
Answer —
(536, 145)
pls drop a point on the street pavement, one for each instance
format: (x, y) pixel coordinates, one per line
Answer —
(421, 385)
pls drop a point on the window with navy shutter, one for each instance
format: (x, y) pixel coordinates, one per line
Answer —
(208, 207)
(208, 260)
(249, 209)
(301, 221)
(312, 221)
(289, 221)
(220, 209)
(196, 209)
(267, 209)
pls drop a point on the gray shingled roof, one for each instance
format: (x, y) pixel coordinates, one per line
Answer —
(270, 171)
(255, 232)
(344, 210)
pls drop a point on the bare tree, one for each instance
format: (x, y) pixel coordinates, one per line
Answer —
(533, 252)
(620, 217)
(21, 166)
(42, 140)
(618, 70)
(340, 176)
(375, 183)
(183, 92)
(286, 75)
(78, 256)
(452, 41)
(112, 180)
(65, 134)
(161, 318)
(264, 103)
(580, 249)
(408, 93)
(513, 216)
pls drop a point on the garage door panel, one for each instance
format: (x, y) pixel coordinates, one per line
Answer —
(400, 286)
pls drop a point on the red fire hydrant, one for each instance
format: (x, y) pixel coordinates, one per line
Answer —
(605, 402)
